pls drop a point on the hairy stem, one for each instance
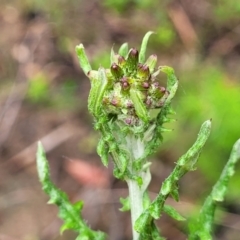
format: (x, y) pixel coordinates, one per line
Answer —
(136, 192)
(136, 204)
(136, 198)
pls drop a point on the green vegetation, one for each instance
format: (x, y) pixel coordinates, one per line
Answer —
(130, 109)
(208, 73)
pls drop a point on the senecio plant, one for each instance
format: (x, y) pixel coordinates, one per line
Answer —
(130, 108)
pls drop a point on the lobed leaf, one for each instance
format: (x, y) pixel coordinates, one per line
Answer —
(68, 212)
(203, 225)
(170, 185)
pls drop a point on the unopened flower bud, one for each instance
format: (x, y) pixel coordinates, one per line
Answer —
(124, 83)
(114, 102)
(156, 91)
(122, 61)
(145, 85)
(148, 102)
(162, 89)
(143, 72)
(128, 104)
(132, 59)
(128, 121)
(116, 71)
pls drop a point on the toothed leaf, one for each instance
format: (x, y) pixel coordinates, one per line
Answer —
(68, 212)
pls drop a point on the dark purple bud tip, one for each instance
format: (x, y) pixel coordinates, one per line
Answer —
(145, 85)
(128, 121)
(143, 71)
(129, 104)
(162, 89)
(145, 68)
(121, 60)
(125, 85)
(132, 59)
(124, 82)
(114, 102)
(133, 52)
(148, 101)
(115, 67)
(124, 79)
(156, 84)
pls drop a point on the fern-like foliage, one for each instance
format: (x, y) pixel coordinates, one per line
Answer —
(68, 212)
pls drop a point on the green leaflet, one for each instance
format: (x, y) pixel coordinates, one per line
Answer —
(184, 164)
(68, 212)
(103, 151)
(172, 212)
(144, 46)
(123, 50)
(83, 60)
(207, 211)
(172, 82)
(140, 108)
(132, 60)
(172, 79)
(98, 87)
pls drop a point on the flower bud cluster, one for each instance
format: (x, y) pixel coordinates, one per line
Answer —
(133, 88)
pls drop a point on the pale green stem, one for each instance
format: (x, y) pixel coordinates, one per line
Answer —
(136, 192)
(136, 199)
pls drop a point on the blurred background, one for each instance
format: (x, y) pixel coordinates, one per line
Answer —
(43, 96)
